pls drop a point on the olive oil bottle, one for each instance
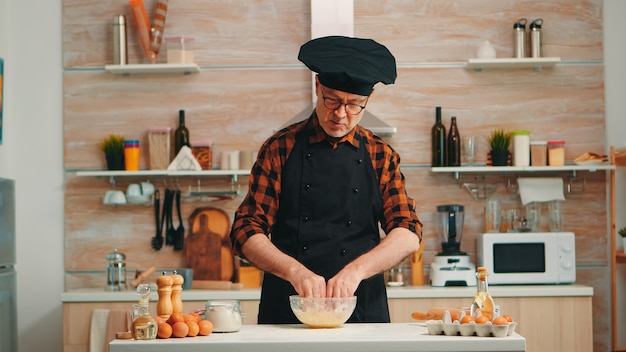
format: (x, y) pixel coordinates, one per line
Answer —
(483, 302)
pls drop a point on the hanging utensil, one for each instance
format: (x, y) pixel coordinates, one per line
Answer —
(157, 240)
(170, 231)
(179, 241)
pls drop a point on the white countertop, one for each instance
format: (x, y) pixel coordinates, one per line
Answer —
(100, 295)
(347, 338)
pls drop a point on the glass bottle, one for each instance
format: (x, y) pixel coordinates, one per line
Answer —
(181, 135)
(143, 326)
(438, 138)
(483, 302)
(453, 145)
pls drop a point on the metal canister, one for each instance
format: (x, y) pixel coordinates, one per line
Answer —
(535, 37)
(120, 50)
(519, 38)
(116, 271)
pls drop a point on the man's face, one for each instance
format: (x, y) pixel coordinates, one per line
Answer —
(338, 112)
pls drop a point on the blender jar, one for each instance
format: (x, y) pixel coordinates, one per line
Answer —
(449, 225)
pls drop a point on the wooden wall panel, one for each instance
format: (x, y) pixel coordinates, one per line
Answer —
(251, 83)
(226, 33)
(443, 31)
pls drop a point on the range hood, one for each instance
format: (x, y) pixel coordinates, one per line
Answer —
(336, 17)
(369, 121)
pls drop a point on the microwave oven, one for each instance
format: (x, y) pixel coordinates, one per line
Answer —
(528, 257)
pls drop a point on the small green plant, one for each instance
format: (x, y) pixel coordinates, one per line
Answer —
(622, 232)
(499, 139)
(113, 145)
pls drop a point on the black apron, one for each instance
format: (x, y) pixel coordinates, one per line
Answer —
(328, 216)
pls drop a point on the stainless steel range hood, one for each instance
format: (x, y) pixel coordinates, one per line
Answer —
(369, 121)
(336, 17)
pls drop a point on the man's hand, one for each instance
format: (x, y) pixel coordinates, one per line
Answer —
(345, 283)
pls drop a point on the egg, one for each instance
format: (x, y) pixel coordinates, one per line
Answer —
(482, 319)
(194, 328)
(500, 321)
(164, 330)
(180, 329)
(467, 319)
(206, 328)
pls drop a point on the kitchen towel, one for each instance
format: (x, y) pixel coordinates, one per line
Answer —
(540, 189)
(97, 333)
(119, 321)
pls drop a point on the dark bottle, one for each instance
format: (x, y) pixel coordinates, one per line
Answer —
(454, 145)
(181, 135)
(438, 138)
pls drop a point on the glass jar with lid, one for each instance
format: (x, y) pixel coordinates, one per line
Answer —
(225, 315)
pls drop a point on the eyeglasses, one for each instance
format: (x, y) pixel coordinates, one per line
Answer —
(334, 104)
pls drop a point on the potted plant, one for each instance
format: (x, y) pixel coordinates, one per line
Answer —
(622, 232)
(113, 148)
(499, 141)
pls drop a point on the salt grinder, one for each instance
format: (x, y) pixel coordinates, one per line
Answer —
(116, 271)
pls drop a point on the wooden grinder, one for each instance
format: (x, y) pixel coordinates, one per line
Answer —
(164, 305)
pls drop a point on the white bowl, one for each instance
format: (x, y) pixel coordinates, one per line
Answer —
(114, 197)
(322, 312)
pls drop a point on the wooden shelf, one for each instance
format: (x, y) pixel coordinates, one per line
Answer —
(511, 63)
(152, 68)
(103, 173)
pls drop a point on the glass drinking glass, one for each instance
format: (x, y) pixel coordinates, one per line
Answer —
(469, 149)
(555, 215)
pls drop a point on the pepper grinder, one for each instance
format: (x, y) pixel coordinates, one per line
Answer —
(177, 288)
(164, 305)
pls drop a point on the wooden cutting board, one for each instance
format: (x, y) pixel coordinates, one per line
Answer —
(208, 247)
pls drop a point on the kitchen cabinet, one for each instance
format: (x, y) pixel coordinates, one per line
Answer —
(618, 258)
(533, 307)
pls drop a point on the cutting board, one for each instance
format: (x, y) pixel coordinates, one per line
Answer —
(208, 247)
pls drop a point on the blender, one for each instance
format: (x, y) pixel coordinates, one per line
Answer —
(451, 267)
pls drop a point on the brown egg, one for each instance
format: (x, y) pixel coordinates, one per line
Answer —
(508, 318)
(180, 329)
(206, 328)
(500, 321)
(466, 319)
(165, 331)
(481, 319)
(194, 328)
(175, 318)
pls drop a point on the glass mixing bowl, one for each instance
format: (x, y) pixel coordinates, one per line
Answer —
(322, 312)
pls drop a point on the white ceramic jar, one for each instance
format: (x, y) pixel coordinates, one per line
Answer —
(521, 148)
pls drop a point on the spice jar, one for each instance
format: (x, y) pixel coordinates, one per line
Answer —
(556, 153)
(159, 147)
(538, 153)
(225, 315)
(203, 154)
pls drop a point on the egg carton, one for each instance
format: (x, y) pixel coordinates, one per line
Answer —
(438, 327)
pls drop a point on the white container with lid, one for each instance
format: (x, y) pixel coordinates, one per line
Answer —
(224, 314)
(521, 148)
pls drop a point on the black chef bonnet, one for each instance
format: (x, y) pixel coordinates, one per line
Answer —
(350, 65)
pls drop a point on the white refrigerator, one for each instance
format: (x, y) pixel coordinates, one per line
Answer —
(8, 276)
